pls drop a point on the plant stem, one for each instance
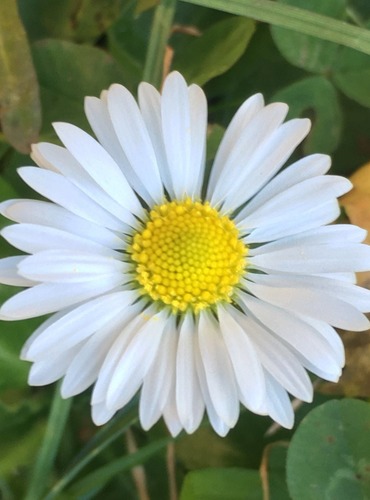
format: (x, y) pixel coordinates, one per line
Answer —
(160, 33)
(45, 460)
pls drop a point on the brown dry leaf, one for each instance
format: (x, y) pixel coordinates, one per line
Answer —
(357, 206)
(355, 381)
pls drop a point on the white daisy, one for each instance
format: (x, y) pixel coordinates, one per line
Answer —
(203, 294)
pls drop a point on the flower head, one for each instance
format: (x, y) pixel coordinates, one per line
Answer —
(202, 292)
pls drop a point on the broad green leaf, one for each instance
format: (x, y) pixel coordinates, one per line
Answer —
(304, 51)
(222, 483)
(351, 75)
(68, 72)
(317, 97)
(20, 115)
(82, 21)
(329, 455)
(215, 51)
(293, 18)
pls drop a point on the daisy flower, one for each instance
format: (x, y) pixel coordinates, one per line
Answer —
(200, 291)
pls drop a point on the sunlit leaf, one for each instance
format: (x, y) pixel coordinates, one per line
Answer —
(20, 115)
(329, 455)
(215, 51)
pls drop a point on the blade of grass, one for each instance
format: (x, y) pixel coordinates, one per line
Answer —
(49, 448)
(109, 433)
(160, 33)
(99, 477)
(296, 19)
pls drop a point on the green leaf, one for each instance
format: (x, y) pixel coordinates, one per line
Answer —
(318, 97)
(351, 75)
(20, 115)
(68, 72)
(307, 52)
(222, 483)
(329, 455)
(215, 51)
(296, 19)
(82, 21)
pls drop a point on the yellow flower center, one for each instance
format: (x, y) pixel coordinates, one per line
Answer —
(188, 255)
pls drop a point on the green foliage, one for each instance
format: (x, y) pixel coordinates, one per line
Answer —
(218, 484)
(336, 439)
(215, 51)
(20, 116)
(313, 55)
(317, 97)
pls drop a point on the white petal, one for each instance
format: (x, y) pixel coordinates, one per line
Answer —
(244, 358)
(136, 361)
(328, 235)
(297, 199)
(84, 369)
(354, 295)
(134, 139)
(97, 113)
(170, 414)
(49, 214)
(306, 168)
(99, 165)
(134, 320)
(276, 358)
(51, 368)
(218, 369)
(70, 168)
(62, 191)
(50, 297)
(33, 238)
(9, 272)
(184, 118)
(217, 423)
(296, 333)
(100, 413)
(65, 266)
(234, 134)
(150, 106)
(265, 162)
(310, 219)
(314, 259)
(249, 142)
(79, 324)
(190, 405)
(278, 403)
(160, 377)
(319, 306)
